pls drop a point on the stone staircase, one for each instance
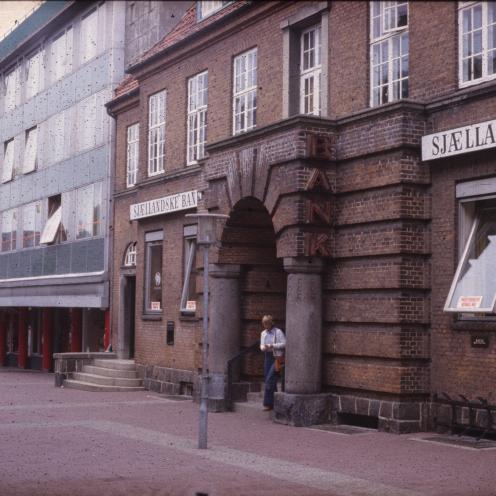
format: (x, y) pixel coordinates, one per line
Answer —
(106, 375)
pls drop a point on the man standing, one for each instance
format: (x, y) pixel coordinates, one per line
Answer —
(272, 343)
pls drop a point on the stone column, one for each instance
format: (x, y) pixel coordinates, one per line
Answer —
(22, 360)
(224, 328)
(301, 404)
(47, 335)
(76, 330)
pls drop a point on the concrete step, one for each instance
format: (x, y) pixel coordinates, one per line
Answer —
(86, 386)
(255, 397)
(107, 372)
(105, 380)
(115, 364)
(252, 408)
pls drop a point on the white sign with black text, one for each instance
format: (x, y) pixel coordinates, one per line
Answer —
(460, 140)
(165, 205)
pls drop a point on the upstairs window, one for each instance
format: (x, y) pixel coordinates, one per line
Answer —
(34, 74)
(31, 225)
(245, 92)
(388, 52)
(30, 151)
(8, 161)
(88, 40)
(88, 211)
(53, 231)
(156, 133)
(197, 116)
(477, 42)
(310, 71)
(206, 8)
(130, 256)
(61, 55)
(132, 158)
(9, 230)
(12, 89)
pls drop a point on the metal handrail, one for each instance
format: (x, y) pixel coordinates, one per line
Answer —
(230, 364)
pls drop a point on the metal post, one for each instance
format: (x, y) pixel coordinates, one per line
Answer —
(202, 435)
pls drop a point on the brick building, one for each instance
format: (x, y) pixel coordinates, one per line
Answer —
(351, 145)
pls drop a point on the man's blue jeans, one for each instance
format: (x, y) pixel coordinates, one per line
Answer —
(270, 376)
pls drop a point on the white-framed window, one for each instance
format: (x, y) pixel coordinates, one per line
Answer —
(9, 230)
(132, 158)
(8, 161)
(388, 52)
(153, 271)
(473, 289)
(88, 39)
(12, 89)
(34, 74)
(245, 92)
(188, 295)
(31, 224)
(30, 151)
(197, 117)
(476, 42)
(130, 256)
(156, 133)
(209, 7)
(88, 211)
(310, 70)
(61, 55)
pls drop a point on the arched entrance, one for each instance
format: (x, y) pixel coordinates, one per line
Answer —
(248, 281)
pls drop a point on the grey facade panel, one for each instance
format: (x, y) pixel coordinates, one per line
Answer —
(94, 255)
(63, 262)
(36, 262)
(49, 260)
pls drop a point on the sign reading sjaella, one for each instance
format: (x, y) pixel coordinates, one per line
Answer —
(165, 205)
(460, 140)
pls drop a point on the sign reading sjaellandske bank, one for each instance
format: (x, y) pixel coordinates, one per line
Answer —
(165, 205)
(460, 140)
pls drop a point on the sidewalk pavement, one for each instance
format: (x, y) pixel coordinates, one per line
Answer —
(69, 442)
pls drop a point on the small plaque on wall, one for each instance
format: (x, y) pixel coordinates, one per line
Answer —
(479, 341)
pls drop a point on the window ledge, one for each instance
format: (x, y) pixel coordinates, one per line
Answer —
(149, 316)
(475, 325)
(189, 318)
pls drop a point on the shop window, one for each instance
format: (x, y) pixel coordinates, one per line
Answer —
(8, 161)
(197, 117)
(153, 272)
(156, 133)
(9, 230)
(209, 7)
(31, 225)
(130, 256)
(34, 332)
(477, 42)
(245, 92)
(188, 295)
(88, 211)
(388, 51)
(473, 290)
(53, 231)
(30, 151)
(132, 158)
(12, 336)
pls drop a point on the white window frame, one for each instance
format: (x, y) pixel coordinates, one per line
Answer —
(30, 162)
(312, 73)
(245, 91)
(197, 117)
(130, 256)
(157, 105)
(190, 246)
(8, 160)
(387, 39)
(132, 155)
(12, 215)
(485, 76)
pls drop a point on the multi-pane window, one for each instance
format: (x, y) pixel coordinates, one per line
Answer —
(30, 151)
(206, 8)
(197, 116)
(61, 55)
(245, 92)
(132, 154)
(8, 161)
(9, 230)
(153, 271)
(58, 127)
(34, 74)
(91, 121)
(88, 40)
(310, 71)
(130, 257)
(88, 211)
(52, 231)
(156, 133)
(12, 89)
(389, 51)
(477, 41)
(31, 225)
(188, 295)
